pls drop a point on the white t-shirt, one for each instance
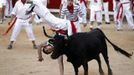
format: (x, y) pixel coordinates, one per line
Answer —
(96, 6)
(124, 1)
(3, 2)
(20, 10)
(64, 3)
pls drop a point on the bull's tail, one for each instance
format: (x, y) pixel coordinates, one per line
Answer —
(116, 47)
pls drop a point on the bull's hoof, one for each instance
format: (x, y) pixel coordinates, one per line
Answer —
(110, 73)
(102, 73)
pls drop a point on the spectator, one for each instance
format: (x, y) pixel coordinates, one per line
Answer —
(22, 21)
(106, 11)
(123, 8)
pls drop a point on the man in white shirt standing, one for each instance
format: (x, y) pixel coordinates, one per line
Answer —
(106, 11)
(95, 7)
(83, 4)
(3, 6)
(8, 8)
(72, 12)
(19, 12)
(123, 8)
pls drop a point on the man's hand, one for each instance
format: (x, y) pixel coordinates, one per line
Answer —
(9, 23)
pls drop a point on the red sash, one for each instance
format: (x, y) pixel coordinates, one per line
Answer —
(73, 27)
(10, 27)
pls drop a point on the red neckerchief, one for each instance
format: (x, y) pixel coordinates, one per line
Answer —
(84, 2)
(70, 8)
(23, 1)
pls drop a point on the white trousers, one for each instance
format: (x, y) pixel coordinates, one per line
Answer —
(18, 25)
(114, 9)
(54, 22)
(69, 27)
(95, 15)
(78, 27)
(8, 8)
(124, 10)
(106, 11)
(84, 11)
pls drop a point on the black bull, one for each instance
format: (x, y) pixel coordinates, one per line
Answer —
(83, 47)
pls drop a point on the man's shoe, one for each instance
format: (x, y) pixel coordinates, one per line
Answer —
(9, 47)
(35, 46)
(107, 22)
(119, 29)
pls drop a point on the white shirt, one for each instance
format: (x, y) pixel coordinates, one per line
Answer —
(124, 1)
(45, 2)
(20, 10)
(64, 3)
(96, 6)
(3, 2)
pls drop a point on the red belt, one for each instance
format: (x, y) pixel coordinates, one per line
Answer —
(126, 3)
(62, 32)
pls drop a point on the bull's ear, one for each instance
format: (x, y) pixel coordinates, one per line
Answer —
(51, 41)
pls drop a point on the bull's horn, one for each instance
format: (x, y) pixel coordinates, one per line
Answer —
(46, 33)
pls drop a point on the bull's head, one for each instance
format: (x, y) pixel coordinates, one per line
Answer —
(59, 44)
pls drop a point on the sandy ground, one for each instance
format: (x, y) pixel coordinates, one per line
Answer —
(22, 59)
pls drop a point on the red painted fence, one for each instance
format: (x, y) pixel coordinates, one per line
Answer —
(54, 4)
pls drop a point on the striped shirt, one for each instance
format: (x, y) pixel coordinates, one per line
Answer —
(123, 1)
(72, 16)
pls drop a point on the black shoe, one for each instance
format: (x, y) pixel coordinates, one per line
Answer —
(35, 47)
(107, 22)
(119, 30)
(9, 47)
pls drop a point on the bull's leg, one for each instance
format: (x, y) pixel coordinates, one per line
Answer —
(100, 67)
(76, 69)
(61, 65)
(105, 55)
(107, 62)
(85, 66)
